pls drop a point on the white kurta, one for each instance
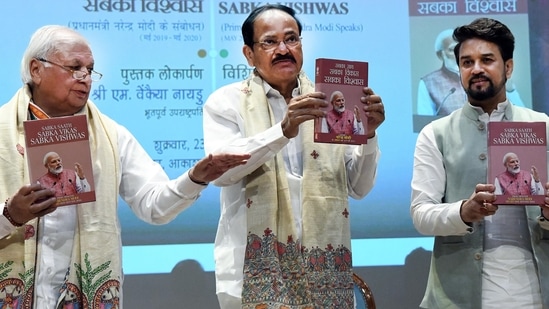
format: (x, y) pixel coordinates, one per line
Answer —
(143, 185)
(224, 132)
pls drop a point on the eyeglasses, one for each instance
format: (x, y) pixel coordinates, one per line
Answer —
(76, 73)
(271, 44)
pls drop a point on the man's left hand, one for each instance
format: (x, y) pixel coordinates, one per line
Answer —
(213, 166)
(374, 110)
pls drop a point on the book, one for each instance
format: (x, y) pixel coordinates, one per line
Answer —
(517, 162)
(58, 154)
(342, 81)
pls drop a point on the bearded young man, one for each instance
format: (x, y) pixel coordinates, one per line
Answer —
(484, 256)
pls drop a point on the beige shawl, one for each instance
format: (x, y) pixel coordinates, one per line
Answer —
(94, 276)
(281, 271)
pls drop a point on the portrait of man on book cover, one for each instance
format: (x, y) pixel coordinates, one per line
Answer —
(63, 181)
(515, 180)
(340, 119)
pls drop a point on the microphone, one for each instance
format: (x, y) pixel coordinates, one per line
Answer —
(444, 99)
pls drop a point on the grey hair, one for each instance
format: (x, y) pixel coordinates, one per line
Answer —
(49, 154)
(507, 155)
(337, 92)
(46, 41)
(439, 41)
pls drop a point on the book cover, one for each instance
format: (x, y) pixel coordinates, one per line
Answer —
(517, 166)
(342, 81)
(58, 156)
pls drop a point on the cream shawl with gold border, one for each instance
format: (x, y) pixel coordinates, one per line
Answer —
(95, 273)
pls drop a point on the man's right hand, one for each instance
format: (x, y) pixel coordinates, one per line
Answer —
(303, 108)
(31, 201)
(479, 205)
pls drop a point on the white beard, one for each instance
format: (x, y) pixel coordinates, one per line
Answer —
(514, 171)
(56, 171)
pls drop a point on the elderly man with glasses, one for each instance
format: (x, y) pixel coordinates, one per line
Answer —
(71, 255)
